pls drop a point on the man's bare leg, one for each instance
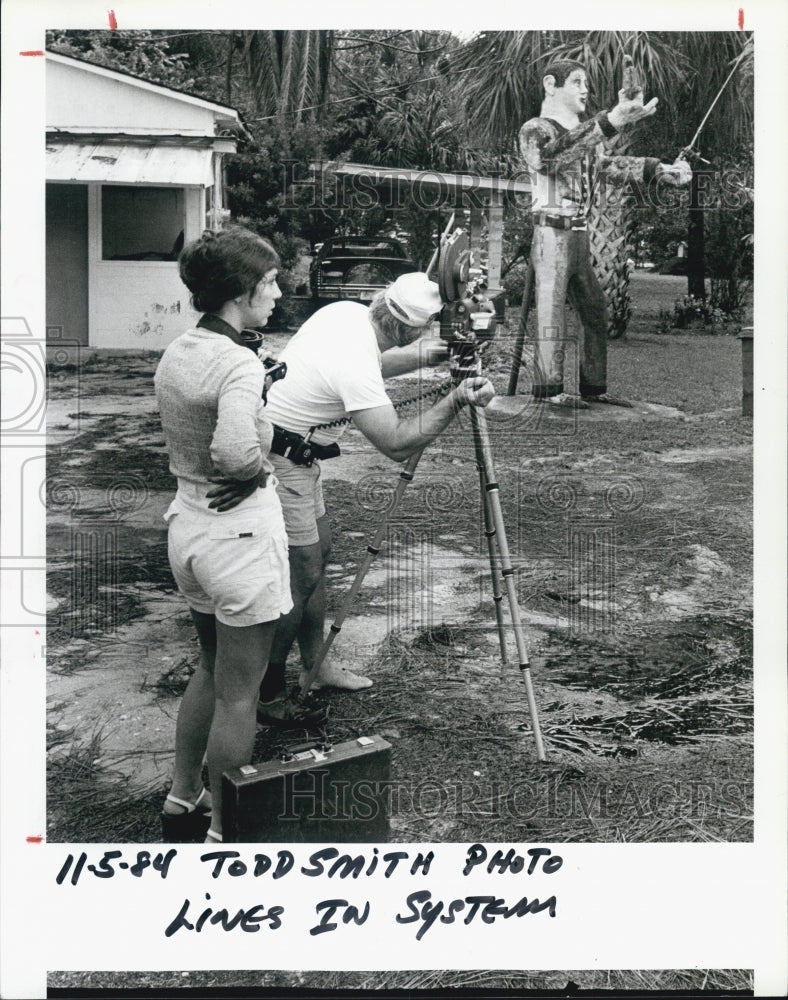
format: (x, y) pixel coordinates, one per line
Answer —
(310, 634)
(307, 588)
(306, 621)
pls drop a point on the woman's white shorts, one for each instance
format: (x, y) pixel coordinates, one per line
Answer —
(233, 564)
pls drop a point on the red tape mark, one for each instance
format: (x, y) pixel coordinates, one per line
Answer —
(741, 18)
(34, 840)
(113, 21)
(32, 52)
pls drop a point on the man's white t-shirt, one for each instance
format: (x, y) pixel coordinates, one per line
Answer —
(333, 368)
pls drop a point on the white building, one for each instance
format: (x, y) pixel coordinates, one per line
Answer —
(133, 171)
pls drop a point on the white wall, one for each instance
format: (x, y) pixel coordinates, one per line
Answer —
(138, 305)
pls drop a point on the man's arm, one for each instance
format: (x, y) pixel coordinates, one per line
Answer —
(427, 352)
(631, 109)
(399, 439)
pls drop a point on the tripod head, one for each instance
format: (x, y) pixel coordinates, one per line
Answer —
(467, 319)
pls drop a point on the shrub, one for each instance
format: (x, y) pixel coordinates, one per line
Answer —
(675, 265)
(689, 313)
(514, 284)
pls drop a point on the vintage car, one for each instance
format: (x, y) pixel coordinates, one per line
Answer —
(356, 267)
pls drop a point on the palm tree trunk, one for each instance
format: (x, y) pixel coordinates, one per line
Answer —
(611, 219)
(608, 231)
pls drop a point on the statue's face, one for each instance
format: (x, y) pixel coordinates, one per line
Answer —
(573, 95)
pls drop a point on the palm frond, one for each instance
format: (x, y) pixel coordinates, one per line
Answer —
(497, 72)
(288, 71)
(661, 66)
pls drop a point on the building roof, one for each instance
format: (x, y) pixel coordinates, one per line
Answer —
(221, 110)
(437, 181)
(129, 163)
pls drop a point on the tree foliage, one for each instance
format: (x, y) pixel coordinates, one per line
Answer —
(141, 53)
(434, 100)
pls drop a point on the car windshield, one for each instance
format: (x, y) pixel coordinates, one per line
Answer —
(364, 247)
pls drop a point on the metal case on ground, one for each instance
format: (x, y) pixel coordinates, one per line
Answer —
(316, 793)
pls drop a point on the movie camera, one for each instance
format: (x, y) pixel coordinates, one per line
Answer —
(467, 319)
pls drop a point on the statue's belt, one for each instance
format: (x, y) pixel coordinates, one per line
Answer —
(573, 222)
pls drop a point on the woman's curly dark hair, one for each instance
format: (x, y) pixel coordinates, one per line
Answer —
(223, 265)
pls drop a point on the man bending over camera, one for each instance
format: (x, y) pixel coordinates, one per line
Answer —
(336, 364)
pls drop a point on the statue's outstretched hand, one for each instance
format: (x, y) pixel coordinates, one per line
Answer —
(678, 174)
(630, 110)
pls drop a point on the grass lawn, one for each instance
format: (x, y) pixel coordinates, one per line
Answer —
(696, 371)
(650, 293)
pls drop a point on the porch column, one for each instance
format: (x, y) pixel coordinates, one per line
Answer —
(494, 240)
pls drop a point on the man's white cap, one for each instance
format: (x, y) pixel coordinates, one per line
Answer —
(413, 299)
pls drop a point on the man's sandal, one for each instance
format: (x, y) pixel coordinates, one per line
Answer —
(189, 826)
(333, 675)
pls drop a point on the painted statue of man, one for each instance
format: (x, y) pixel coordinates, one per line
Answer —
(561, 151)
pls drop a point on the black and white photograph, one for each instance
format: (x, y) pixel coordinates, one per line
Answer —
(393, 490)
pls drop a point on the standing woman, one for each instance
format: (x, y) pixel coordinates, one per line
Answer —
(227, 547)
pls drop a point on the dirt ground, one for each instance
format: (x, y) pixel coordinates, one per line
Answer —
(630, 534)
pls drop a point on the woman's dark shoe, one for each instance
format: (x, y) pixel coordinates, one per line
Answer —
(190, 824)
(291, 712)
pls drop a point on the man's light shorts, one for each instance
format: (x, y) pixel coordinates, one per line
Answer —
(301, 495)
(233, 564)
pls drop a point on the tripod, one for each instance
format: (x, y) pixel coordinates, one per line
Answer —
(501, 569)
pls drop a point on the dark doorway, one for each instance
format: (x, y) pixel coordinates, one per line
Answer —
(67, 263)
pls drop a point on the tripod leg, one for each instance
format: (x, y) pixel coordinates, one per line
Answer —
(405, 477)
(484, 458)
(528, 294)
(489, 532)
